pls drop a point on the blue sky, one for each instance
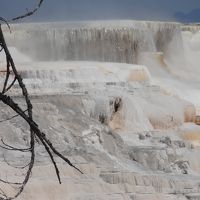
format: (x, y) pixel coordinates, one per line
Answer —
(54, 10)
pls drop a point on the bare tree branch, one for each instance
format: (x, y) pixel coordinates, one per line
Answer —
(27, 115)
(29, 13)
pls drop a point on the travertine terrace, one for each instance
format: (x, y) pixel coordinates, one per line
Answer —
(119, 98)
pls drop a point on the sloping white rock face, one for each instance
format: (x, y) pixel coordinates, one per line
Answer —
(42, 77)
(169, 50)
(126, 126)
(121, 131)
(107, 41)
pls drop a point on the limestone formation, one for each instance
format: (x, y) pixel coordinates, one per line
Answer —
(129, 128)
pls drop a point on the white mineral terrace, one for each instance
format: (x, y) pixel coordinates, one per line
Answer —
(119, 98)
(109, 41)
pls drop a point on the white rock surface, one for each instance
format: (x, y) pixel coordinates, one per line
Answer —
(123, 125)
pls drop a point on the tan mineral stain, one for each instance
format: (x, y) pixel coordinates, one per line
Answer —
(138, 75)
(189, 113)
(193, 136)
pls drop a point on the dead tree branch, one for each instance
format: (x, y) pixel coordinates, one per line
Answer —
(27, 114)
(29, 13)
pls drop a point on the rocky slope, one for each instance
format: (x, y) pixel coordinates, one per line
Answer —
(130, 128)
(125, 135)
